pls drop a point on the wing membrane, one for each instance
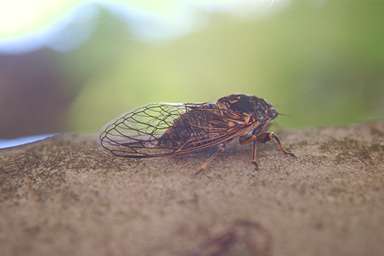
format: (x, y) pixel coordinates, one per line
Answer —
(166, 129)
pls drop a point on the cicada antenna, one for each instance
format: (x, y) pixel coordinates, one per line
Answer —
(284, 114)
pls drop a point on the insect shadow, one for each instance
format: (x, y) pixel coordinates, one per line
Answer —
(247, 237)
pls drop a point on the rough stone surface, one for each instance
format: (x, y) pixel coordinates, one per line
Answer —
(64, 196)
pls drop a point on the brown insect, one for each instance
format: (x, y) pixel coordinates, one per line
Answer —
(167, 129)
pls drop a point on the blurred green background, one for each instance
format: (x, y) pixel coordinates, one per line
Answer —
(320, 62)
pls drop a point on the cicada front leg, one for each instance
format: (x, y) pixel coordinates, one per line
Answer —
(263, 138)
(270, 136)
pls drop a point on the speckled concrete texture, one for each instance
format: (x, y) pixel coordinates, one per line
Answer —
(64, 196)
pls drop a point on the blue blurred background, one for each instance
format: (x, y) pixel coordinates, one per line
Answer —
(71, 65)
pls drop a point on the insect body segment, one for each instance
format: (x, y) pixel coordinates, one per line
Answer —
(168, 129)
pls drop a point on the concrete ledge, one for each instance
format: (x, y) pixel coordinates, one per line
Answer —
(65, 197)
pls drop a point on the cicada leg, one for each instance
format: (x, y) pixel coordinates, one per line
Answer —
(263, 138)
(254, 153)
(270, 136)
(251, 139)
(204, 166)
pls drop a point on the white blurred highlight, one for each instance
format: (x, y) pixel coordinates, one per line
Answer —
(69, 31)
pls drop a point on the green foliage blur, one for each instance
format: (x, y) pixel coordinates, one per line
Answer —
(319, 62)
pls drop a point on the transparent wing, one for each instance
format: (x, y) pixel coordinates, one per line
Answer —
(166, 129)
(136, 134)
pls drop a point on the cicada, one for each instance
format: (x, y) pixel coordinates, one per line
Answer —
(175, 129)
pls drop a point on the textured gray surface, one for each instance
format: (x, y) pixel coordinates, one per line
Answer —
(65, 197)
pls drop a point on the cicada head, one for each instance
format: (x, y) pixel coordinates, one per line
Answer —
(256, 107)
